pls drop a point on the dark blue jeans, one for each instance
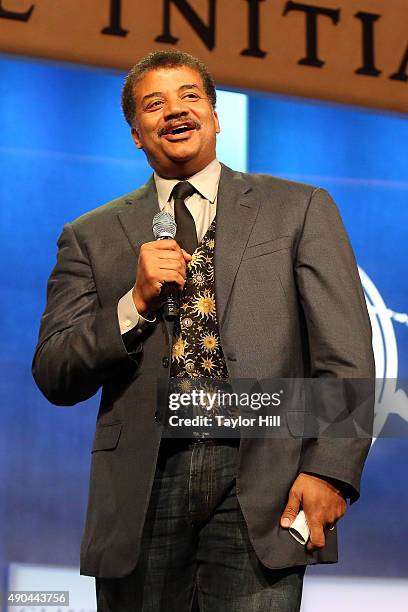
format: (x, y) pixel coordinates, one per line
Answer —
(196, 546)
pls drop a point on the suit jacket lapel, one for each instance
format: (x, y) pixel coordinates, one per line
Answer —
(236, 214)
(137, 216)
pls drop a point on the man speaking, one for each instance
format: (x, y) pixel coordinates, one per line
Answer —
(268, 288)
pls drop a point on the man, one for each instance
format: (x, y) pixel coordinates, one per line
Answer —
(269, 289)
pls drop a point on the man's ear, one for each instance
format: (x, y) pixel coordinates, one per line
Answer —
(216, 122)
(136, 139)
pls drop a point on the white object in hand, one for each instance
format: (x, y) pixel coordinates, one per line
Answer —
(299, 529)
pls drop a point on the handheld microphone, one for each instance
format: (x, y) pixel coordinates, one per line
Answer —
(165, 227)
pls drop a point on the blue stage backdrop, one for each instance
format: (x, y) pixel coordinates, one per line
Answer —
(65, 149)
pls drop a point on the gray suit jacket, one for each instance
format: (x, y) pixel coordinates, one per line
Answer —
(284, 265)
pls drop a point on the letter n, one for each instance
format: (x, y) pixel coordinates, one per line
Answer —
(401, 74)
(205, 32)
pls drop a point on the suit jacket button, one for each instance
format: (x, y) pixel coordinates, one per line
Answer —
(165, 362)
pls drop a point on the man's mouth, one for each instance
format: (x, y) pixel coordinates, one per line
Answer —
(179, 128)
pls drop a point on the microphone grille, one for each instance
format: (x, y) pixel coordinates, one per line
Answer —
(163, 225)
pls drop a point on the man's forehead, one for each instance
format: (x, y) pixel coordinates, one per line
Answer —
(167, 79)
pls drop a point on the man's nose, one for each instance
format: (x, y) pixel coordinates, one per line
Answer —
(174, 108)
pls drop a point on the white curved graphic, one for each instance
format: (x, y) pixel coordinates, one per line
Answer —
(389, 400)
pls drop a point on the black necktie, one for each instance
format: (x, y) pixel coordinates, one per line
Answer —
(186, 234)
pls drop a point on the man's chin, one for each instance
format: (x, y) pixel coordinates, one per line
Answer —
(181, 151)
(178, 167)
(181, 158)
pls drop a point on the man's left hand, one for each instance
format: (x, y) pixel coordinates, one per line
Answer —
(322, 503)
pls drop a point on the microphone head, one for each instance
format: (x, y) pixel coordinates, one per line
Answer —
(163, 225)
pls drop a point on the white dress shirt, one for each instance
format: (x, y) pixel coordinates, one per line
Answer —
(203, 207)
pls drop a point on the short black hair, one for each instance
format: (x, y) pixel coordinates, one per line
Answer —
(162, 59)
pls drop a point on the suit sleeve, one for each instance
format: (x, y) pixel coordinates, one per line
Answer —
(339, 335)
(80, 344)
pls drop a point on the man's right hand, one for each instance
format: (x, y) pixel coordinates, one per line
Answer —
(160, 261)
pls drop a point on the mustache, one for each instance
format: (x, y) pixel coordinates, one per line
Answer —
(171, 125)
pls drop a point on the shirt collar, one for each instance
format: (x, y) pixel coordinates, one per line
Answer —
(206, 182)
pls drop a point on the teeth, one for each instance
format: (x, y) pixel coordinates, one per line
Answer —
(180, 129)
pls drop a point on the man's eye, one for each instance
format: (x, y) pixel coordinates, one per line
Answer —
(154, 104)
(191, 96)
